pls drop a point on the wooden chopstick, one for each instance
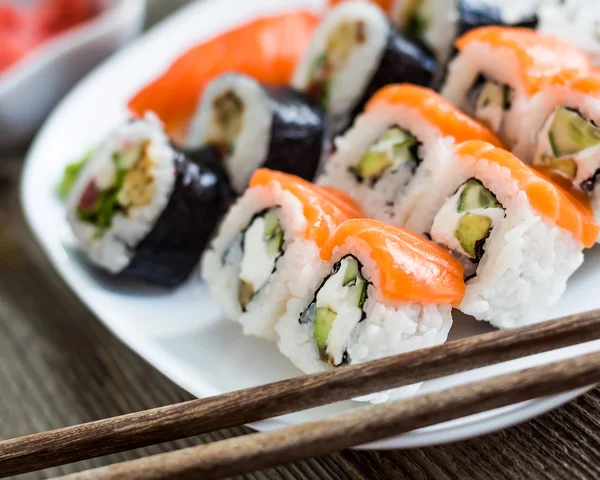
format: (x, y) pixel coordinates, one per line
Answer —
(261, 450)
(79, 442)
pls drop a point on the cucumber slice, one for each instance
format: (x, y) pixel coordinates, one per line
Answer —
(275, 243)
(126, 159)
(566, 166)
(272, 232)
(475, 195)
(271, 224)
(471, 230)
(570, 133)
(245, 293)
(351, 272)
(323, 323)
(396, 135)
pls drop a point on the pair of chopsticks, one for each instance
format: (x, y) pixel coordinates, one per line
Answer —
(261, 450)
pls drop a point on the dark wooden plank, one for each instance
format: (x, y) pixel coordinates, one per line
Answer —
(59, 366)
(180, 420)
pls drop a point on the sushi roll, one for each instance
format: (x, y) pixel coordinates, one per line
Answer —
(518, 234)
(354, 52)
(437, 23)
(142, 209)
(272, 233)
(379, 290)
(559, 131)
(254, 126)
(499, 68)
(266, 47)
(386, 160)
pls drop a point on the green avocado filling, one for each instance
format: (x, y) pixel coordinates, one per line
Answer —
(568, 135)
(106, 204)
(345, 275)
(396, 147)
(472, 228)
(339, 44)
(415, 18)
(71, 174)
(227, 122)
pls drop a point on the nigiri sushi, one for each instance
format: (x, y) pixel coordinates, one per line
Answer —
(266, 48)
(379, 290)
(395, 146)
(518, 234)
(255, 125)
(354, 52)
(142, 209)
(498, 68)
(273, 232)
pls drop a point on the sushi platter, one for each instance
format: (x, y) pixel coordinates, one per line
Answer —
(251, 192)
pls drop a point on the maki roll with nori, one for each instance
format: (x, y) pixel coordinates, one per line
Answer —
(378, 291)
(272, 233)
(354, 52)
(254, 126)
(142, 209)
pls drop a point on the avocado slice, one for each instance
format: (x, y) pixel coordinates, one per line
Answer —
(472, 229)
(566, 166)
(494, 95)
(373, 165)
(378, 159)
(323, 323)
(245, 293)
(475, 195)
(570, 133)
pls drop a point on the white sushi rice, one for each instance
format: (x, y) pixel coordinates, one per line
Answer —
(252, 144)
(299, 256)
(349, 82)
(392, 197)
(527, 258)
(113, 249)
(496, 64)
(389, 328)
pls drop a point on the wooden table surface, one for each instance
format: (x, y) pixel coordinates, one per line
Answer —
(59, 366)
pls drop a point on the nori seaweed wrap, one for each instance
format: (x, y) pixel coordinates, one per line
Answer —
(254, 125)
(140, 208)
(354, 52)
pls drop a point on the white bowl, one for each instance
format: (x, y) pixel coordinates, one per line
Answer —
(30, 88)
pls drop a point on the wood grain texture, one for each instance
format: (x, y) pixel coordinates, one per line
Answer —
(253, 452)
(173, 422)
(59, 366)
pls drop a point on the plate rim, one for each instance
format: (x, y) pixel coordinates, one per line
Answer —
(418, 438)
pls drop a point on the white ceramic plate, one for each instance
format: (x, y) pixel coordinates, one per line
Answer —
(59, 63)
(180, 332)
